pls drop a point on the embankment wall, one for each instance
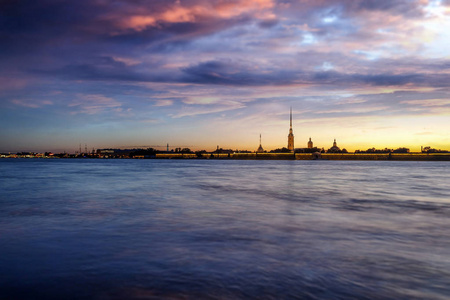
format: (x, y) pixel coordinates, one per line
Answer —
(309, 156)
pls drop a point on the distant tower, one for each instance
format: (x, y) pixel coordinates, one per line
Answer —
(310, 144)
(290, 136)
(334, 149)
(167, 147)
(260, 148)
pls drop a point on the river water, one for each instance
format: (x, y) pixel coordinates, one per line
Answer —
(224, 229)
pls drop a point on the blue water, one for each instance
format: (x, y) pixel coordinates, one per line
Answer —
(212, 229)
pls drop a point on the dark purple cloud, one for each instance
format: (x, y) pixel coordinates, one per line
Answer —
(230, 73)
(223, 73)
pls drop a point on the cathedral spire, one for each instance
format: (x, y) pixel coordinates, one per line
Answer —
(291, 117)
(291, 134)
(260, 148)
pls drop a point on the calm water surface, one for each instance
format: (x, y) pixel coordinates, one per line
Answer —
(209, 229)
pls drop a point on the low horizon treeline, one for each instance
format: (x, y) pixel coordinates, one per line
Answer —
(152, 152)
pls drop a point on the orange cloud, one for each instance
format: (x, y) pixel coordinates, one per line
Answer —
(227, 9)
(180, 14)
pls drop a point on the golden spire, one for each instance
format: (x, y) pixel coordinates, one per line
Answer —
(291, 134)
(291, 117)
(260, 149)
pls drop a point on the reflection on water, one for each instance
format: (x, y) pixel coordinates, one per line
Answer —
(205, 229)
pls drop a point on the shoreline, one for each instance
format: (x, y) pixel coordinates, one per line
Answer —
(312, 156)
(271, 156)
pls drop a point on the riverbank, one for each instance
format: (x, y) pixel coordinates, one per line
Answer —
(311, 156)
(266, 156)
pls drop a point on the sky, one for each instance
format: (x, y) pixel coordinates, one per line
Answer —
(208, 73)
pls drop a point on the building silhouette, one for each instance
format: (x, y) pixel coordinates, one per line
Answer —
(290, 136)
(335, 148)
(260, 148)
(310, 144)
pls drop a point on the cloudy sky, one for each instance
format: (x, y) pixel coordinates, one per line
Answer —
(202, 73)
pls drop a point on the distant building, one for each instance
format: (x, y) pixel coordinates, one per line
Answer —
(106, 151)
(260, 148)
(290, 136)
(335, 148)
(223, 151)
(310, 144)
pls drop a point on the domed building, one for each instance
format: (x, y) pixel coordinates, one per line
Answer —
(334, 149)
(310, 144)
